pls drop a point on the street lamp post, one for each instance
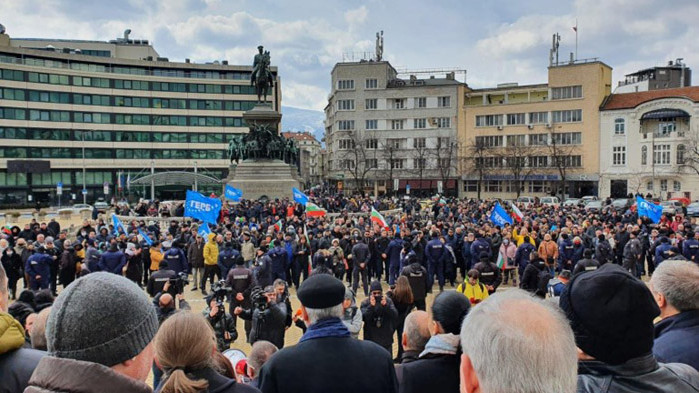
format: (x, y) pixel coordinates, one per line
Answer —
(82, 134)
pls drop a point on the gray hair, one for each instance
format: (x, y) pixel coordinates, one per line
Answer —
(316, 314)
(38, 334)
(521, 344)
(677, 281)
(259, 354)
(416, 333)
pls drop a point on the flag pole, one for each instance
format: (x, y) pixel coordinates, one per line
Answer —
(576, 38)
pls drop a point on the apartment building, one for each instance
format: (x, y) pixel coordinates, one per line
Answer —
(389, 134)
(649, 143)
(309, 157)
(114, 111)
(535, 140)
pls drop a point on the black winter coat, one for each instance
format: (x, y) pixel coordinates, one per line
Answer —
(419, 376)
(330, 364)
(379, 322)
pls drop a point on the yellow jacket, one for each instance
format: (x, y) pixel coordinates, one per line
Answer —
(11, 334)
(519, 239)
(475, 293)
(155, 257)
(211, 251)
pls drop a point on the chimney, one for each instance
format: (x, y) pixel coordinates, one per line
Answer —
(450, 76)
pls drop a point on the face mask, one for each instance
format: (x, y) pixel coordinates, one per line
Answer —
(9, 253)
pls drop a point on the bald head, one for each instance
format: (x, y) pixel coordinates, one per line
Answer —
(416, 331)
(512, 340)
(165, 300)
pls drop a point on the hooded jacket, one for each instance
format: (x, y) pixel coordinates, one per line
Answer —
(211, 251)
(16, 363)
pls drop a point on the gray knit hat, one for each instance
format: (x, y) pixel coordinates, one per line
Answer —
(101, 318)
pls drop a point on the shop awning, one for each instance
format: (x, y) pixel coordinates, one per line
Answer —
(664, 113)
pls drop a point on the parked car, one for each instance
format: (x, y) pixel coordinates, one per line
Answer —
(572, 202)
(693, 209)
(672, 207)
(621, 204)
(551, 201)
(588, 198)
(101, 206)
(77, 208)
(525, 201)
(593, 207)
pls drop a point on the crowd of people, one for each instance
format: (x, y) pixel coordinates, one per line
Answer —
(575, 312)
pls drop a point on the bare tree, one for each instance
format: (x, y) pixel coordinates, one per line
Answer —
(478, 160)
(518, 161)
(389, 152)
(420, 155)
(359, 157)
(688, 154)
(445, 156)
(562, 160)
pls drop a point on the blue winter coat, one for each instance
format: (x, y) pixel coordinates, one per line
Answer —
(522, 255)
(226, 260)
(279, 258)
(661, 252)
(677, 339)
(434, 252)
(39, 265)
(690, 250)
(393, 251)
(479, 246)
(112, 262)
(176, 260)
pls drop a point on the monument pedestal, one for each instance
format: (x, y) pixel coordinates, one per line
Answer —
(268, 178)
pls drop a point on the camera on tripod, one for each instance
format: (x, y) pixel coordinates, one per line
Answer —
(220, 293)
(178, 283)
(259, 299)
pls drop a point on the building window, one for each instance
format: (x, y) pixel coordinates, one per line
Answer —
(538, 161)
(619, 126)
(567, 138)
(443, 142)
(665, 128)
(471, 186)
(563, 93)
(661, 155)
(443, 122)
(516, 140)
(372, 144)
(489, 141)
(394, 143)
(397, 163)
(676, 186)
(515, 119)
(443, 102)
(619, 155)
(538, 139)
(445, 162)
(567, 116)
(419, 123)
(488, 120)
(649, 185)
(419, 143)
(567, 161)
(371, 163)
(538, 117)
(345, 105)
(344, 125)
(663, 185)
(398, 103)
(644, 155)
(371, 84)
(421, 102)
(371, 103)
(680, 154)
(536, 186)
(419, 163)
(346, 164)
(346, 144)
(372, 124)
(345, 84)
(492, 186)
(397, 124)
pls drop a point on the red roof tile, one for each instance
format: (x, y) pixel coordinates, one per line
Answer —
(632, 100)
(299, 136)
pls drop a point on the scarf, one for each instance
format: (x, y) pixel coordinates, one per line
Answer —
(330, 327)
(442, 344)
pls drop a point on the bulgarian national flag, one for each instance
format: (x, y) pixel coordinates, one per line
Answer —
(500, 262)
(312, 210)
(517, 214)
(378, 218)
(278, 226)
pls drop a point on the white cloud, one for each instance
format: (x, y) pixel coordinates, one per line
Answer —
(356, 16)
(304, 96)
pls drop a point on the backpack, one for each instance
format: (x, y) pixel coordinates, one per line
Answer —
(542, 281)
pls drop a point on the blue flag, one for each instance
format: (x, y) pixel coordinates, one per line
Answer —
(499, 216)
(233, 193)
(118, 224)
(649, 209)
(204, 231)
(145, 236)
(299, 196)
(202, 208)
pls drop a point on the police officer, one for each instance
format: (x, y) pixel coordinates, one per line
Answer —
(157, 280)
(227, 259)
(489, 273)
(240, 280)
(392, 255)
(417, 278)
(38, 268)
(176, 260)
(360, 264)
(690, 248)
(478, 247)
(565, 254)
(262, 268)
(434, 253)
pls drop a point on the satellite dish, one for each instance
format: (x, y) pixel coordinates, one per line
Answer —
(2, 29)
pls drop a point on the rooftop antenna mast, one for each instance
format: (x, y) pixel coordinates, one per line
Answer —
(556, 41)
(379, 46)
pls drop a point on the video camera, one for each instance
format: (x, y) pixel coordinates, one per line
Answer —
(220, 293)
(259, 299)
(178, 283)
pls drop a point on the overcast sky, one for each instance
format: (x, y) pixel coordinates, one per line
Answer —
(497, 41)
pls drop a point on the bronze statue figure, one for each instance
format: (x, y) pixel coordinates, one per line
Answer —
(261, 77)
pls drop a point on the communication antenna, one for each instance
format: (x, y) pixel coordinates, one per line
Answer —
(555, 43)
(379, 45)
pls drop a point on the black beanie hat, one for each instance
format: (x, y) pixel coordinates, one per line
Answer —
(611, 313)
(450, 309)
